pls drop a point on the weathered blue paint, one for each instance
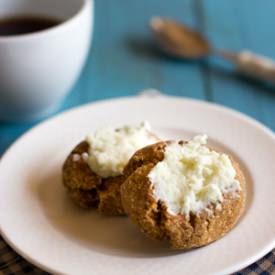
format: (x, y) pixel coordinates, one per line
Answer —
(123, 61)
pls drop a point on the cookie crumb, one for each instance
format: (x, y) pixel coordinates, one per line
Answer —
(76, 157)
(85, 156)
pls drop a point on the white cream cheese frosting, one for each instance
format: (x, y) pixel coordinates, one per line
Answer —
(110, 149)
(191, 177)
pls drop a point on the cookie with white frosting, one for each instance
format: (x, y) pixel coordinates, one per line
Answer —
(183, 192)
(93, 172)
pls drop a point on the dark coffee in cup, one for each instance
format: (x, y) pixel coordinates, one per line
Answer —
(26, 24)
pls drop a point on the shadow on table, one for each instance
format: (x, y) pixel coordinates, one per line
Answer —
(146, 48)
(228, 75)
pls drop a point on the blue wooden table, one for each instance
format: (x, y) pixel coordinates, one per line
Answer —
(122, 60)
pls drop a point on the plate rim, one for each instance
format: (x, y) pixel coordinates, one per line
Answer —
(208, 104)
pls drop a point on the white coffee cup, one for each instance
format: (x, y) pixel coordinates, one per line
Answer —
(38, 69)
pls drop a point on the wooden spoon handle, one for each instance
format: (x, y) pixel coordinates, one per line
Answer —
(252, 65)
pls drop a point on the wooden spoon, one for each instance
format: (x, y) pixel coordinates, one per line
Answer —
(177, 40)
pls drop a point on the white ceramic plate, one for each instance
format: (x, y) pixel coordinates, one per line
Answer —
(40, 222)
